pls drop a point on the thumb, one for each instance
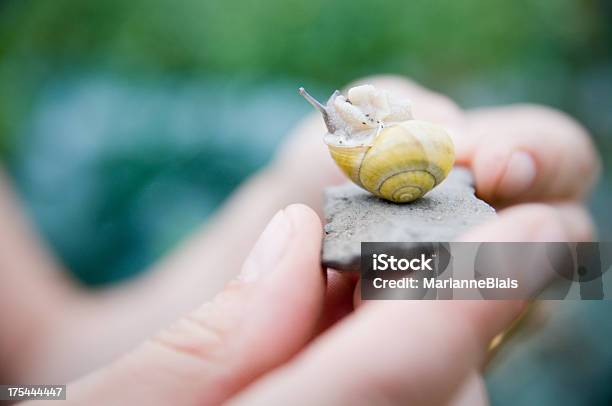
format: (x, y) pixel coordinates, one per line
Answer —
(258, 322)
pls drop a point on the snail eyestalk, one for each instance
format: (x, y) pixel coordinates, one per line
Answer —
(319, 106)
(316, 104)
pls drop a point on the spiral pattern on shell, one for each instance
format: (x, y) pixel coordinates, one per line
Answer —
(404, 162)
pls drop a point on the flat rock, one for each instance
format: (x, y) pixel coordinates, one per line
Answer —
(354, 216)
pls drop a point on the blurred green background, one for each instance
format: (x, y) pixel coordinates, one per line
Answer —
(124, 124)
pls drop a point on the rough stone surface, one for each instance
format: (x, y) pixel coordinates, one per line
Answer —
(354, 215)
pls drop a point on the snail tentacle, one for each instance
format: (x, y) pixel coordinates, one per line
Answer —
(319, 106)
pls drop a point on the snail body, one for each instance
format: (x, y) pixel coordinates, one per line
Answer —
(381, 148)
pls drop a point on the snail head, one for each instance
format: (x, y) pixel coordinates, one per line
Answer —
(364, 109)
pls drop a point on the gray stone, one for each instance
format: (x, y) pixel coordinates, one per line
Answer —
(354, 215)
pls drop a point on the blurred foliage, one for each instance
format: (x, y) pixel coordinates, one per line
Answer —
(116, 173)
(327, 41)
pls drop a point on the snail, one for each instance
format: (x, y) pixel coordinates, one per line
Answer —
(376, 142)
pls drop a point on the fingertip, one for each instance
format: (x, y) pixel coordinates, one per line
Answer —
(307, 224)
(564, 163)
(303, 214)
(304, 253)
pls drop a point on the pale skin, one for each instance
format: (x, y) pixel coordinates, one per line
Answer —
(285, 331)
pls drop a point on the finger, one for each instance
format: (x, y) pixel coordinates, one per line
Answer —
(536, 222)
(531, 223)
(390, 352)
(338, 297)
(528, 153)
(257, 323)
(34, 293)
(471, 393)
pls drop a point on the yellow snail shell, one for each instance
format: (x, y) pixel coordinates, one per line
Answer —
(399, 161)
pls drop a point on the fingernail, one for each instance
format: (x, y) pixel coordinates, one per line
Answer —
(518, 177)
(268, 249)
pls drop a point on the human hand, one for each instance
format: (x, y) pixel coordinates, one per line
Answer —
(253, 343)
(542, 194)
(536, 163)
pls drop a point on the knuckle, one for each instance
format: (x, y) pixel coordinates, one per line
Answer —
(207, 332)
